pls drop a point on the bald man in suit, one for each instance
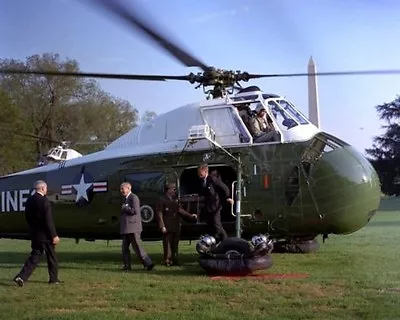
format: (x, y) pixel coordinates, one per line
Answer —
(43, 235)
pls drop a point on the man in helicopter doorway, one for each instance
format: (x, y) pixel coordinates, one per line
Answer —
(169, 215)
(263, 129)
(131, 228)
(215, 192)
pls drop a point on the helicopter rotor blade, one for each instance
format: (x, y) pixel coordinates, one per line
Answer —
(95, 75)
(131, 17)
(333, 73)
(32, 136)
(28, 135)
(189, 78)
(91, 142)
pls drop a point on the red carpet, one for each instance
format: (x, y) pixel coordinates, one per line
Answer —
(264, 276)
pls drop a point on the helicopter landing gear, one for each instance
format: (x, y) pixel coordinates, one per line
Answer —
(299, 245)
(233, 246)
(234, 256)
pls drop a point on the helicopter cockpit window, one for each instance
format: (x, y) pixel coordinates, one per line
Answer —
(55, 152)
(292, 111)
(64, 155)
(282, 117)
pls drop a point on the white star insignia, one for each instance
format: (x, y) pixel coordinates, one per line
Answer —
(81, 189)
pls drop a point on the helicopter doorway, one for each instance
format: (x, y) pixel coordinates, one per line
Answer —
(190, 187)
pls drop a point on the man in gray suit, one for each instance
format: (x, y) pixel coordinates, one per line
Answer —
(131, 228)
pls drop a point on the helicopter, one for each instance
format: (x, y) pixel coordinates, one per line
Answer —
(60, 153)
(63, 151)
(303, 184)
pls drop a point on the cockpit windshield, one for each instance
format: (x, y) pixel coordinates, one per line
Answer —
(280, 116)
(296, 115)
(285, 114)
(283, 119)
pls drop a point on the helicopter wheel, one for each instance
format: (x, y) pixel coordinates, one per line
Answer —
(234, 257)
(297, 246)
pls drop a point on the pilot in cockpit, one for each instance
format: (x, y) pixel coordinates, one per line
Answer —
(245, 113)
(263, 130)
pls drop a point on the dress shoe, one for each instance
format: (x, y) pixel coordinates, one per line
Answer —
(126, 268)
(150, 267)
(19, 281)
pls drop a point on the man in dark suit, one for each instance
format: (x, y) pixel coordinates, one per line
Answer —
(213, 189)
(169, 214)
(131, 228)
(42, 233)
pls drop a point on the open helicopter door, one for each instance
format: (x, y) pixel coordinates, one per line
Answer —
(187, 192)
(228, 174)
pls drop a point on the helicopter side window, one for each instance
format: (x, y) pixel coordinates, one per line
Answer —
(241, 126)
(245, 113)
(64, 155)
(263, 130)
(146, 181)
(225, 123)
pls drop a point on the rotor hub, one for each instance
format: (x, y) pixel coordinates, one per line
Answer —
(220, 79)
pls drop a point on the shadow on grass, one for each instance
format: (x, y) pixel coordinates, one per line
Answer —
(102, 257)
(103, 261)
(390, 204)
(384, 223)
(9, 283)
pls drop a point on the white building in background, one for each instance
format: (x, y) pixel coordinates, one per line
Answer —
(313, 105)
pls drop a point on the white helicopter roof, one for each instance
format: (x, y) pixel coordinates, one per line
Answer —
(220, 115)
(217, 120)
(60, 153)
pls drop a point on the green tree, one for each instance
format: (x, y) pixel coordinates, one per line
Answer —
(57, 108)
(16, 152)
(40, 97)
(385, 152)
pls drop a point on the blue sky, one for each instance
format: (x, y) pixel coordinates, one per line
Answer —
(258, 36)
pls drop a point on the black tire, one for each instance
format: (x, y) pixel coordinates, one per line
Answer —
(235, 267)
(233, 246)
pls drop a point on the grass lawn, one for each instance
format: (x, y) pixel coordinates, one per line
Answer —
(352, 277)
